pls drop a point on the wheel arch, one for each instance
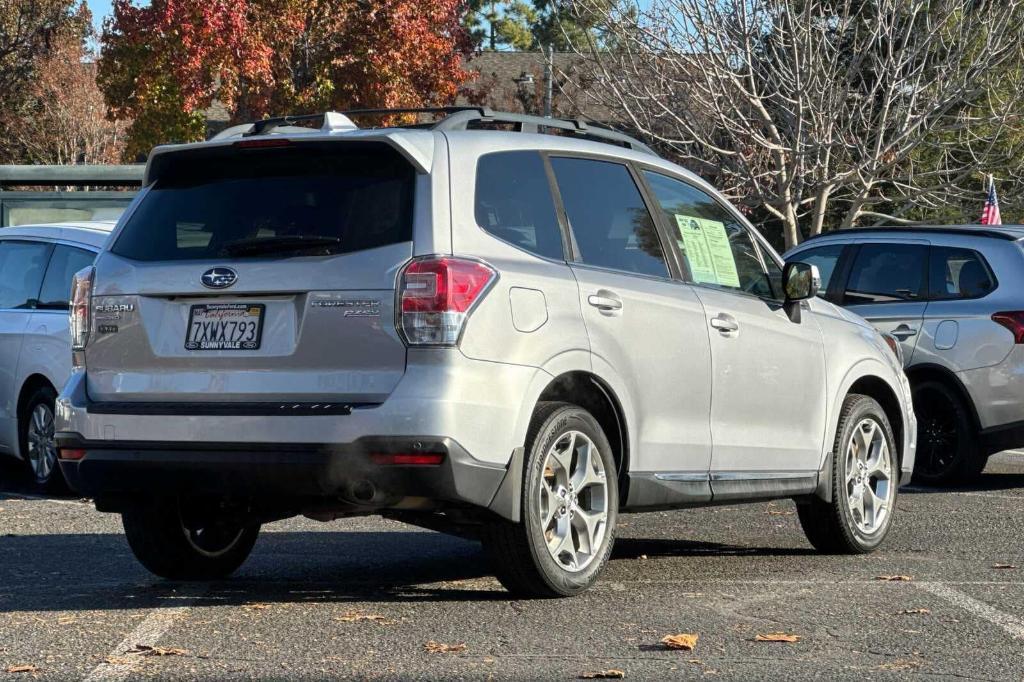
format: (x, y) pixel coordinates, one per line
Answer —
(32, 383)
(879, 389)
(932, 372)
(590, 392)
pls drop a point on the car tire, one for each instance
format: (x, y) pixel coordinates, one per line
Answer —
(865, 467)
(198, 544)
(947, 448)
(36, 441)
(569, 508)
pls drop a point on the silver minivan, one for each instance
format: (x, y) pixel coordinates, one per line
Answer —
(468, 325)
(37, 263)
(954, 297)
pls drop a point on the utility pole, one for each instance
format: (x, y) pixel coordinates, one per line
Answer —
(549, 62)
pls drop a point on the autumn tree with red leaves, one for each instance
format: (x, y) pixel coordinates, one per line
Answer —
(164, 63)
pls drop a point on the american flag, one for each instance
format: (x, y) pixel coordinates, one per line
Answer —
(990, 214)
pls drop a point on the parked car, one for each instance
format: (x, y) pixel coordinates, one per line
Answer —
(468, 326)
(37, 263)
(954, 297)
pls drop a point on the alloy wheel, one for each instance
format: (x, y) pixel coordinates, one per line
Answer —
(869, 485)
(938, 440)
(42, 446)
(573, 501)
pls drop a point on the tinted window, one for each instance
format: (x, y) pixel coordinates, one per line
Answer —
(959, 273)
(826, 258)
(303, 199)
(64, 263)
(717, 248)
(22, 265)
(513, 202)
(609, 220)
(887, 272)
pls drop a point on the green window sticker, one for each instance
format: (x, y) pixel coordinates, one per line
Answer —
(708, 252)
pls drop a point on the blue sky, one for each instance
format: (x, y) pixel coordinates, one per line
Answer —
(99, 9)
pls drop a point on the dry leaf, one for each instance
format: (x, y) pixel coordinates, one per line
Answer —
(779, 512)
(895, 578)
(442, 648)
(610, 674)
(643, 557)
(777, 637)
(356, 616)
(258, 606)
(27, 668)
(910, 612)
(147, 650)
(1003, 566)
(683, 641)
(66, 620)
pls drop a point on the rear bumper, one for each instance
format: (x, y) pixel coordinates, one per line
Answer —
(281, 473)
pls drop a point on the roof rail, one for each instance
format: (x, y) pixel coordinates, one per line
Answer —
(456, 118)
(993, 231)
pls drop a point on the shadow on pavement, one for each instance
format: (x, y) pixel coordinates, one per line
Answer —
(77, 572)
(987, 482)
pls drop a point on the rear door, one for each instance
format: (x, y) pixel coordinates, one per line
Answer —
(888, 286)
(258, 274)
(644, 327)
(22, 266)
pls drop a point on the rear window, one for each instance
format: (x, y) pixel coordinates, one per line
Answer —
(959, 273)
(303, 199)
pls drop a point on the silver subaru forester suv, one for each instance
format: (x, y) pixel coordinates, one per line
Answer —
(473, 325)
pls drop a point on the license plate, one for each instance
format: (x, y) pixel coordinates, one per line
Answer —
(225, 326)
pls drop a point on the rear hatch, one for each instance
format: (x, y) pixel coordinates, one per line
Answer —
(256, 274)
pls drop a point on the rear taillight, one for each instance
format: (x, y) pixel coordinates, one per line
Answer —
(1014, 321)
(81, 305)
(436, 295)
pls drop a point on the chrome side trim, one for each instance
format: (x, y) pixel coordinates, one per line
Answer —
(683, 476)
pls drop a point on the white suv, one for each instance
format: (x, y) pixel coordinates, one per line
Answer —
(466, 325)
(37, 263)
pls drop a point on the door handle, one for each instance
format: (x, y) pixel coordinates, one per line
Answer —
(725, 323)
(605, 301)
(903, 332)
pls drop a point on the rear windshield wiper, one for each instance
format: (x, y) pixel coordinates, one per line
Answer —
(287, 243)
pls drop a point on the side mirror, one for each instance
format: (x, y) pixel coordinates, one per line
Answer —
(800, 281)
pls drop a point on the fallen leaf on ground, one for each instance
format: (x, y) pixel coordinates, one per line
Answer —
(643, 557)
(147, 650)
(356, 616)
(684, 641)
(610, 674)
(27, 668)
(117, 660)
(895, 578)
(1004, 566)
(442, 648)
(915, 611)
(255, 607)
(66, 620)
(777, 637)
(779, 512)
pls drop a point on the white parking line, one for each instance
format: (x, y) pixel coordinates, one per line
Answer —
(125, 655)
(1011, 624)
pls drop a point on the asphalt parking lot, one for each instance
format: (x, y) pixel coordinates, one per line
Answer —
(362, 598)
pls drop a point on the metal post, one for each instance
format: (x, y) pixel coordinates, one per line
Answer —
(549, 58)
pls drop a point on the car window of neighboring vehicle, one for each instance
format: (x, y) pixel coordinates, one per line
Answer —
(22, 265)
(612, 226)
(825, 257)
(886, 273)
(64, 263)
(513, 202)
(717, 248)
(959, 273)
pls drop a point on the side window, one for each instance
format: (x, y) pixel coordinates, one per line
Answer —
(885, 273)
(717, 248)
(22, 265)
(608, 217)
(64, 263)
(826, 258)
(959, 273)
(513, 202)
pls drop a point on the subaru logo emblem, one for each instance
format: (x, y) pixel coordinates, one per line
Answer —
(218, 278)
